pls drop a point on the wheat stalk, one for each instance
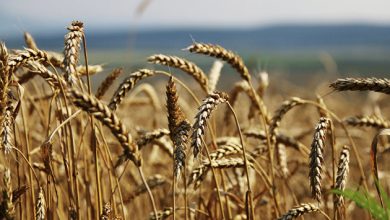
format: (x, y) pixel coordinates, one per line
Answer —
(209, 104)
(128, 84)
(219, 52)
(72, 50)
(100, 111)
(191, 68)
(362, 84)
(317, 157)
(107, 82)
(299, 210)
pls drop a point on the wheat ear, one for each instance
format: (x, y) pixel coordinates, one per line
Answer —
(186, 66)
(209, 104)
(153, 182)
(30, 42)
(5, 107)
(54, 80)
(362, 84)
(107, 212)
(7, 206)
(72, 49)
(163, 214)
(368, 121)
(214, 74)
(101, 112)
(148, 137)
(179, 127)
(41, 206)
(342, 174)
(219, 52)
(225, 148)
(127, 85)
(299, 210)
(280, 112)
(24, 56)
(107, 82)
(317, 157)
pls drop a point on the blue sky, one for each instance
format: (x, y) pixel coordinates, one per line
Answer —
(17, 16)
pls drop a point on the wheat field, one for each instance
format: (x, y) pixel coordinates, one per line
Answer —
(183, 149)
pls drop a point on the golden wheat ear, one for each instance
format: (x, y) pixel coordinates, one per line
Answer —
(210, 103)
(317, 157)
(186, 66)
(226, 55)
(101, 112)
(299, 210)
(127, 85)
(362, 84)
(179, 127)
(72, 50)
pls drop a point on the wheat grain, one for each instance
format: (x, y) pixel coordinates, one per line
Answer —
(153, 182)
(209, 104)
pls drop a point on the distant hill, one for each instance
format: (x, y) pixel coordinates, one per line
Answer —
(282, 37)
